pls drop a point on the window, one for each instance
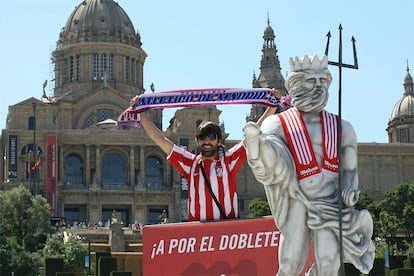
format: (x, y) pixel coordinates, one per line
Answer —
(153, 172)
(403, 133)
(114, 170)
(73, 170)
(98, 116)
(32, 123)
(71, 69)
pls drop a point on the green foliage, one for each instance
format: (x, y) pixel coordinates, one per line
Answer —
(73, 253)
(258, 208)
(54, 248)
(397, 211)
(24, 226)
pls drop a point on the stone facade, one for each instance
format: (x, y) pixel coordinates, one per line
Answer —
(101, 167)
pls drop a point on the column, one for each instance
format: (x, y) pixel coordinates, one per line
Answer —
(132, 166)
(98, 164)
(88, 166)
(141, 168)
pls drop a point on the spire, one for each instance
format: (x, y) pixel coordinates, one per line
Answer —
(408, 83)
(268, 18)
(269, 75)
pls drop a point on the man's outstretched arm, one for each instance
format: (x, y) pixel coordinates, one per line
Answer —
(156, 134)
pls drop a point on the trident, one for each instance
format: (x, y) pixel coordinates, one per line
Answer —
(340, 65)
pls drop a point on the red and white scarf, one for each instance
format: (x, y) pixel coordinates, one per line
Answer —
(198, 97)
(300, 144)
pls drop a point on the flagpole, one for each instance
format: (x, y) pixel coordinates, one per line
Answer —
(34, 170)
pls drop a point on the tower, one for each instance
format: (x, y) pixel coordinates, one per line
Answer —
(270, 75)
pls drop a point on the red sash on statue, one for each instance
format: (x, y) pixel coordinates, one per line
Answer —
(300, 144)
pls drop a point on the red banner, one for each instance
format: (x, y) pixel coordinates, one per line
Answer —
(51, 166)
(229, 247)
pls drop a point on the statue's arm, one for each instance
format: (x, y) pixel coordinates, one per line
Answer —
(349, 165)
(267, 155)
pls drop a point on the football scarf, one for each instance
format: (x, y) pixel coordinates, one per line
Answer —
(198, 97)
(300, 144)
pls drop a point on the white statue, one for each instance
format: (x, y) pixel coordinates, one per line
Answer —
(294, 155)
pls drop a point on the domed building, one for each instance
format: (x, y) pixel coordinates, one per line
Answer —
(401, 124)
(67, 148)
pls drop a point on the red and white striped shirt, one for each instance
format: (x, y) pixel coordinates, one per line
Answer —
(222, 174)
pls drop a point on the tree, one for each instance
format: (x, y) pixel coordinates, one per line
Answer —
(258, 208)
(397, 210)
(72, 252)
(24, 226)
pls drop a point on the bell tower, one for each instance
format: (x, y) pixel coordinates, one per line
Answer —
(270, 75)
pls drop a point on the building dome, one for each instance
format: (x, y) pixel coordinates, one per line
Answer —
(401, 124)
(405, 106)
(269, 32)
(98, 21)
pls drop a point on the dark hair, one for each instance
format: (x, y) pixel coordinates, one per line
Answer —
(208, 129)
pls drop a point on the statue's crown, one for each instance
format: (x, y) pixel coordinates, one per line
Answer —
(308, 63)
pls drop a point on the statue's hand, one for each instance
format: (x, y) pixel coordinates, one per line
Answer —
(252, 140)
(350, 197)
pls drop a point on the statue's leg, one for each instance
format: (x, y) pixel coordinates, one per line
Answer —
(326, 252)
(294, 241)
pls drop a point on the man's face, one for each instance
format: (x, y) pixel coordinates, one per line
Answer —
(208, 145)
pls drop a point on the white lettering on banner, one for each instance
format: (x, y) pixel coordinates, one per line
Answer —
(206, 244)
(240, 241)
(183, 245)
(157, 249)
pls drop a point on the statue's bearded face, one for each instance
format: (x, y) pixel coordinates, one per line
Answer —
(309, 90)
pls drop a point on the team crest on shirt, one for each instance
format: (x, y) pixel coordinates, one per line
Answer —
(219, 171)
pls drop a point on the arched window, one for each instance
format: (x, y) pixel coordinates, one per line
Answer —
(114, 170)
(153, 172)
(98, 116)
(73, 170)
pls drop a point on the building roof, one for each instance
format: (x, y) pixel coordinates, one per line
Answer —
(98, 21)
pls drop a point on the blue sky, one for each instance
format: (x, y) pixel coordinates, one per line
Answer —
(205, 44)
